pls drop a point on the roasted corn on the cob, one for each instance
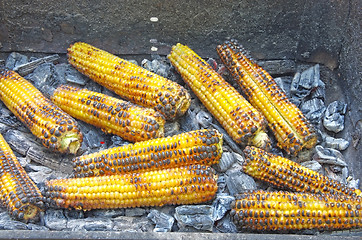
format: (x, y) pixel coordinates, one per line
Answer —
(283, 211)
(241, 120)
(18, 193)
(291, 128)
(284, 173)
(55, 128)
(184, 185)
(130, 81)
(196, 147)
(112, 115)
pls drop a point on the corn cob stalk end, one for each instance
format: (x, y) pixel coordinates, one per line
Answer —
(70, 143)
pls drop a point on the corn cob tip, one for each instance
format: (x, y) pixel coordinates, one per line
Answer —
(261, 140)
(70, 143)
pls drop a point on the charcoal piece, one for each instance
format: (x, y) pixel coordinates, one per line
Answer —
(238, 182)
(38, 168)
(204, 119)
(221, 183)
(55, 220)
(226, 225)
(334, 116)
(226, 161)
(336, 143)
(278, 66)
(117, 141)
(329, 156)
(147, 64)
(15, 59)
(336, 173)
(36, 227)
(221, 205)
(43, 78)
(313, 165)
(197, 216)
(9, 119)
(71, 75)
(12, 225)
(132, 224)
(90, 224)
(313, 110)
(39, 177)
(107, 213)
(188, 121)
(303, 84)
(162, 71)
(135, 212)
(29, 67)
(75, 214)
(163, 221)
(93, 139)
(171, 128)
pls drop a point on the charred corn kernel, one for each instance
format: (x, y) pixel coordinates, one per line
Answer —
(55, 128)
(284, 173)
(241, 120)
(291, 128)
(196, 147)
(18, 193)
(184, 185)
(112, 115)
(283, 211)
(130, 81)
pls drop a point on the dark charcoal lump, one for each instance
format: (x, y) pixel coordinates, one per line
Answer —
(15, 59)
(197, 216)
(334, 116)
(163, 221)
(221, 205)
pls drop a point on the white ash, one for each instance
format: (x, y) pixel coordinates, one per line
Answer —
(334, 116)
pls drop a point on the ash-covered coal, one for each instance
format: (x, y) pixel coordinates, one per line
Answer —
(305, 88)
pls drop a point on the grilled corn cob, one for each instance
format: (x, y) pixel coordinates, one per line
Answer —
(184, 185)
(130, 81)
(284, 173)
(112, 115)
(291, 129)
(18, 193)
(196, 147)
(241, 120)
(260, 210)
(55, 128)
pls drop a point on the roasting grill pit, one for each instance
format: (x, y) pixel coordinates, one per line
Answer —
(280, 60)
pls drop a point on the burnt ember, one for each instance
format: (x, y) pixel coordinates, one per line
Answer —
(302, 83)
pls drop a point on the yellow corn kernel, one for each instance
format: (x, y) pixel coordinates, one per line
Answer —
(241, 120)
(284, 173)
(129, 81)
(18, 193)
(290, 127)
(112, 115)
(55, 128)
(195, 147)
(185, 185)
(284, 211)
